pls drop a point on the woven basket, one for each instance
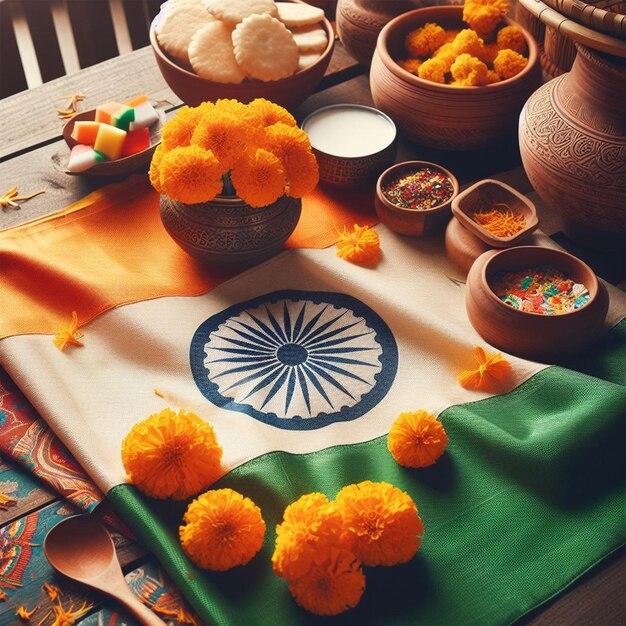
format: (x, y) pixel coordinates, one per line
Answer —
(605, 16)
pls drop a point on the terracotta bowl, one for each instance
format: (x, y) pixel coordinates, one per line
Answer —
(288, 92)
(411, 221)
(545, 338)
(117, 167)
(444, 116)
(484, 195)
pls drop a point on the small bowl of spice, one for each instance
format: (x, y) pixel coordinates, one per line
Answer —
(535, 302)
(413, 197)
(496, 213)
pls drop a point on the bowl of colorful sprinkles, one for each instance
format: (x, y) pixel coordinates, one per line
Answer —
(496, 213)
(538, 303)
(413, 197)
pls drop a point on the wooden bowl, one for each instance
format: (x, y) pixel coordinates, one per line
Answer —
(534, 336)
(121, 166)
(288, 92)
(485, 194)
(411, 221)
(445, 116)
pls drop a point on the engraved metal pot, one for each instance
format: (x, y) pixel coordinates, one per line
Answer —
(228, 232)
(572, 136)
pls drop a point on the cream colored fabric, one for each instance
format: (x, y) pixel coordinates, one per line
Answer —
(92, 396)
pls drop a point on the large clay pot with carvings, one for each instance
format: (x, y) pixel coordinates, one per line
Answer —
(228, 232)
(572, 137)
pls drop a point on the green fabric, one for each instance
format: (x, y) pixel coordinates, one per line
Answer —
(528, 496)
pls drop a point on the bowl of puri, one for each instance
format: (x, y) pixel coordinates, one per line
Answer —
(534, 302)
(242, 49)
(414, 197)
(455, 77)
(113, 139)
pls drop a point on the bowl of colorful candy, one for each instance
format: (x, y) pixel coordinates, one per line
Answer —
(455, 77)
(414, 197)
(534, 302)
(113, 139)
(242, 50)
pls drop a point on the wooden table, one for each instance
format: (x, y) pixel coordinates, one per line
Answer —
(33, 157)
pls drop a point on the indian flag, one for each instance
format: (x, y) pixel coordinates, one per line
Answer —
(301, 365)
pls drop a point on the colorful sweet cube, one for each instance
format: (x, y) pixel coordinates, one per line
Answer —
(136, 141)
(82, 158)
(110, 141)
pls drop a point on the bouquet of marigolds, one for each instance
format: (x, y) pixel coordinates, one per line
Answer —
(487, 52)
(254, 151)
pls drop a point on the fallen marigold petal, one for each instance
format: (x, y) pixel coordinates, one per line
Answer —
(63, 617)
(492, 369)
(222, 529)
(381, 525)
(361, 245)
(171, 455)
(68, 335)
(24, 614)
(52, 590)
(417, 439)
(335, 583)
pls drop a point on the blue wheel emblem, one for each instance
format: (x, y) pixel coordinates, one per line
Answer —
(295, 359)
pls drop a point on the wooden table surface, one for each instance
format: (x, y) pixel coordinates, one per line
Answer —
(33, 157)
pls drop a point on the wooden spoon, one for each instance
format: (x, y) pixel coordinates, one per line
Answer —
(82, 549)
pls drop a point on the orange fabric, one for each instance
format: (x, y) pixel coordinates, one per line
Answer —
(110, 248)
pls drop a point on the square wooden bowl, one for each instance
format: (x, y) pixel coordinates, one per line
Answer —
(484, 195)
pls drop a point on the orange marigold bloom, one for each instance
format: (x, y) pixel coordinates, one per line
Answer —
(222, 529)
(509, 63)
(492, 370)
(190, 175)
(259, 178)
(489, 53)
(361, 245)
(423, 41)
(70, 616)
(310, 524)
(410, 65)
(24, 614)
(512, 38)
(468, 42)
(380, 523)
(178, 131)
(69, 335)
(469, 71)
(270, 113)
(155, 167)
(417, 439)
(484, 15)
(335, 583)
(171, 454)
(434, 69)
(222, 134)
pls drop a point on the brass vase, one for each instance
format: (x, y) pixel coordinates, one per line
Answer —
(227, 232)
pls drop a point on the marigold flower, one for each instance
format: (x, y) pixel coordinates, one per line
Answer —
(69, 335)
(484, 15)
(293, 148)
(335, 583)
(424, 40)
(492, 370)
(178, 131)
(171, 455)
(489, 53)
(492, 77)
(417, 439)
(468, 42)
(361, 245)
(190, 174)
(259, 178)
(469, 71)
(222, 134)
(70, 616)
(155, 167)
(511, 38)
(381, 525)
(433, 70)
(310, 524)
(222, 529)
(410, 65)
(509, 63)
(270, 113)
(235, 108)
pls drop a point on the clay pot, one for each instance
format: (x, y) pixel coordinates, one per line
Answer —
(360, 21)
(228, 232)
(572, 136)
(411, 221)
(445, 116)
(288, 92)
(534, 336)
